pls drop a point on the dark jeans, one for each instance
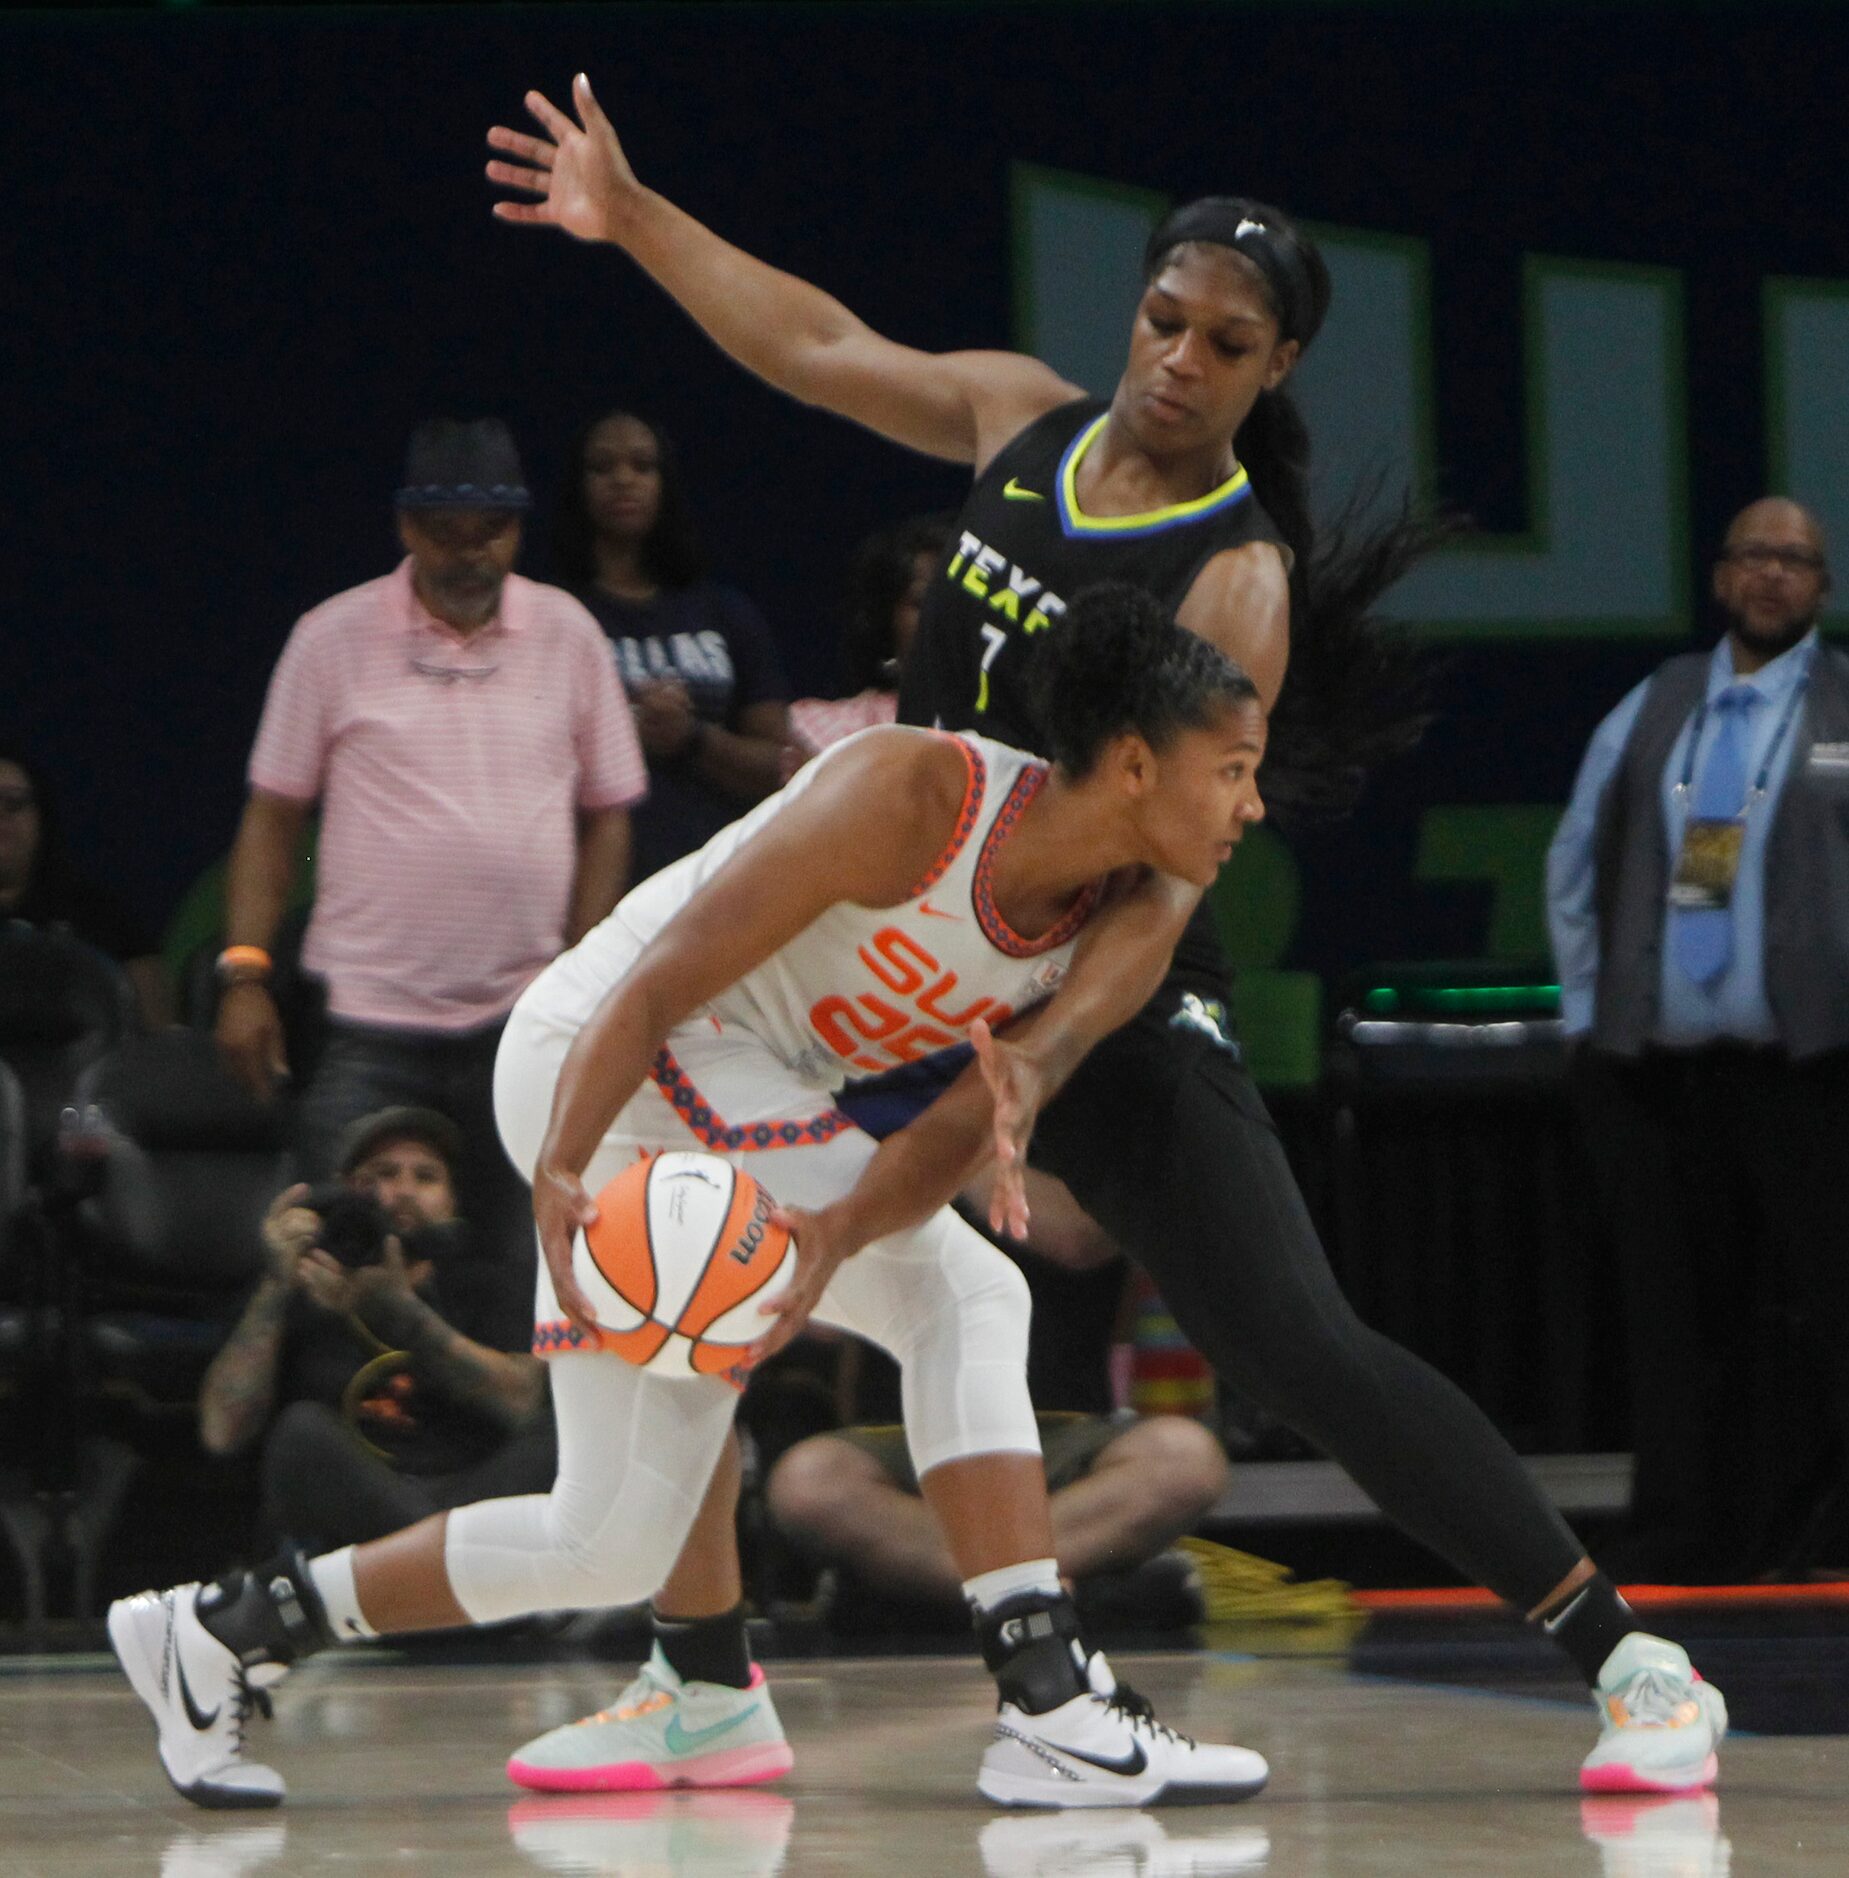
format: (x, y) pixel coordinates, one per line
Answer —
(322, 1488)
(366, 1067)
(1720, 1170)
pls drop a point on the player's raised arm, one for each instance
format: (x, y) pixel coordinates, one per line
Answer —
(959, 405)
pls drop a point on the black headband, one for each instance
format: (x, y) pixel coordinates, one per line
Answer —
(1231, 223)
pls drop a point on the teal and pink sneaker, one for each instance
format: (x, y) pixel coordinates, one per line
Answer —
(662, 1732)
(1662, 1723)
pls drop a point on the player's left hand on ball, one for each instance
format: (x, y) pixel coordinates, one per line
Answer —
(820, 1250)
(1017, 1089)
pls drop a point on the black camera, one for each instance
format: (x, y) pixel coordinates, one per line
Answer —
(353, 1224)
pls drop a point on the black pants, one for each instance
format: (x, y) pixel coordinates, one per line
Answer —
(366, 1067)
(322, 1488)
(1163, 1138)
(1721, 1174)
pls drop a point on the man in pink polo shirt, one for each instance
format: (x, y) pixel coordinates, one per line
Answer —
(465, 737)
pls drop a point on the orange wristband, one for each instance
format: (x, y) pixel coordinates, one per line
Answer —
(243, 962)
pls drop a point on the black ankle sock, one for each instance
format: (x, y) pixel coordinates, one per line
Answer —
(1590, 1623)
(706, 1649)
(269, 1614)
(1032, 1646)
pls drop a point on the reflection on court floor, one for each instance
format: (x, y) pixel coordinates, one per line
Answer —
(395, 1765)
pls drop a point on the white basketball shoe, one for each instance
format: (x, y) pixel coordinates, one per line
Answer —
(1106, 1748)
(199, 1695)
(1662, 1723)
(662, 1732)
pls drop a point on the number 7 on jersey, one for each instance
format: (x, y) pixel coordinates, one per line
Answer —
(994, 639)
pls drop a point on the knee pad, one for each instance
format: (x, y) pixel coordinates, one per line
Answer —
(964, 1370)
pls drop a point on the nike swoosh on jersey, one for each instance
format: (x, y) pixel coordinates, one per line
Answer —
(1013, 491)
(685, 1740)
(1130, 1765)
(935, 912)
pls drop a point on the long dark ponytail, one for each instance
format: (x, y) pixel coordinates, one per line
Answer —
(1357, 689)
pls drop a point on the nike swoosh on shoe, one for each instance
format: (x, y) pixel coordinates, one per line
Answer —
(1129, 1765)
(199, 1721)
(683, 1740)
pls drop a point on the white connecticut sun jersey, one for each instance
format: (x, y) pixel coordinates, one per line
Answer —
(861, 989)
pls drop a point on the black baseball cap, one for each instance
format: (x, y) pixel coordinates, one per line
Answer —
(404, 1122)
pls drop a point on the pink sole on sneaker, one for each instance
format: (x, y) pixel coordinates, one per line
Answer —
(732, 1767)
(1615, 1779)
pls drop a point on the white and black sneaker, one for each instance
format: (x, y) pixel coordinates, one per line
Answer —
(200, 1696)
(1105, 1747)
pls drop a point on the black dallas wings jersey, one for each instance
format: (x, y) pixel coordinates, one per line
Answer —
(1021, 548)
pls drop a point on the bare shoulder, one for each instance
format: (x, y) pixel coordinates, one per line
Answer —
(903, 772)
(1240, 602)
(1007, 391)
(890, 800)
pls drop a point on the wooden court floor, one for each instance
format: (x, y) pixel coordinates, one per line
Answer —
(395, 1768)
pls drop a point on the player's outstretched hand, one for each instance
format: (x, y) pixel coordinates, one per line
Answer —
(820, 1250)
(577, 170)
(560, 1207)
(1017, 1089)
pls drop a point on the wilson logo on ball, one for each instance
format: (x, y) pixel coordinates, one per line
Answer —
(679, 1261)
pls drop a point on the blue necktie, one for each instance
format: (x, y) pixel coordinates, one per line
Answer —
(1702, 936)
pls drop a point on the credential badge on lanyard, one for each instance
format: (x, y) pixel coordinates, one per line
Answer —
(1709, 861)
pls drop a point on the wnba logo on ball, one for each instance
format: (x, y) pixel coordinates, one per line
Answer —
(681, 1257)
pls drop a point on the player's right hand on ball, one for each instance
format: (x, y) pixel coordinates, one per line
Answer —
(579, 172)
(561, 1208)
(821, 1249)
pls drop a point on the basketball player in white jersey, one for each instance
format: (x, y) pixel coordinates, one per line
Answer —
(906, 885)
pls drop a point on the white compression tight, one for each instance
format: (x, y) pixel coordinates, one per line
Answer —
(636, 1450)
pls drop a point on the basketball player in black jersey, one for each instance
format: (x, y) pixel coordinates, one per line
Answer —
(1191, 480)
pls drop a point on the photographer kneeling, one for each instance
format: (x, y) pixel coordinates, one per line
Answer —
(383, 1357)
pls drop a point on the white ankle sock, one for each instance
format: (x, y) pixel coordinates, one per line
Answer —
(988, 1589)
(333, 1576)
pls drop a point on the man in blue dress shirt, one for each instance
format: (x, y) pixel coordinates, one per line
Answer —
(1698, 898)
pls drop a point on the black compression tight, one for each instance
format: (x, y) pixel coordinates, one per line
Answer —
(1165, 1142)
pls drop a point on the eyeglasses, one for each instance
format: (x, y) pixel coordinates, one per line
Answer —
(17, 801)
(1758, 556)
(448, 674)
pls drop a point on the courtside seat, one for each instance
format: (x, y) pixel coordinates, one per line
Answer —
(62, 1005)
(166, 1241)
(170, 1239)
(20, 1279)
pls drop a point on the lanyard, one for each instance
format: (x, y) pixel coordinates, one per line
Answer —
(1785, 722)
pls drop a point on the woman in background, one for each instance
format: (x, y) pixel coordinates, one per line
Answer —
(39, 887)
(886, 586)
(696, 658)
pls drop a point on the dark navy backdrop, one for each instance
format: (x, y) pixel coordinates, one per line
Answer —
(248, 250)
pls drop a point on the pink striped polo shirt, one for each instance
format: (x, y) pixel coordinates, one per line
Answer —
(449, 771)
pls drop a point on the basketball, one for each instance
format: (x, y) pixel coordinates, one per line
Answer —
(679, 1260)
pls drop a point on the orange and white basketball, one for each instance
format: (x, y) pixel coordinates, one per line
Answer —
(678, 1261)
